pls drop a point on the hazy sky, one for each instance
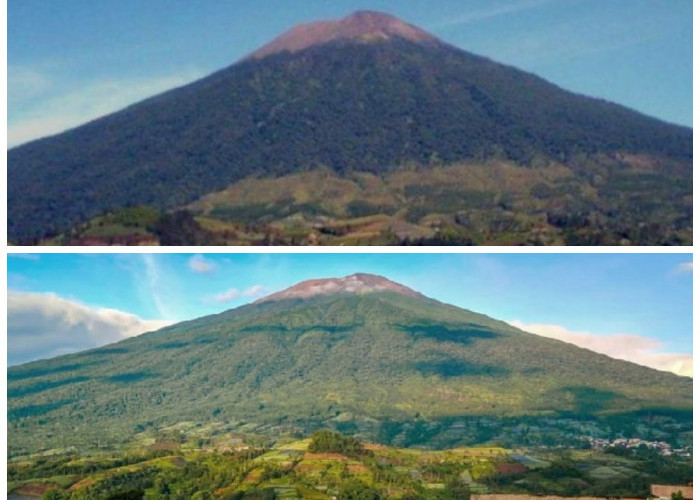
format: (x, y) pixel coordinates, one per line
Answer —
(636, 306)
(74, 60)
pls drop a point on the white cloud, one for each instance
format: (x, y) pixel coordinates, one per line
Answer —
(153, 282)
(684, 267)
(633, 348)
(255, 291)
(200, 264)
(234, 293)
(496, 10)
(44, 325)
(25, 256)
(24, 84)
(39, 111)
(227, 296)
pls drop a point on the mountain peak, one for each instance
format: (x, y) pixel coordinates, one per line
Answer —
(363, 25)
(359, 283)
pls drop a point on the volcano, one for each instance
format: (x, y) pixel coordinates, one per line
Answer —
(365, 94)
(360, 353)
(362, 26)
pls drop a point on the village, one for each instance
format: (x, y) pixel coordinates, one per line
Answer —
(662, 447)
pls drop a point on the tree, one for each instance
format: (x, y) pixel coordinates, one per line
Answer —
(354, 489)
(457, 489)
(325, 441)
(57, 494)
(678, 495)
(180, 228)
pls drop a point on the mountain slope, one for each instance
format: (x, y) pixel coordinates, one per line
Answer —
(373, 100)
(325, 353)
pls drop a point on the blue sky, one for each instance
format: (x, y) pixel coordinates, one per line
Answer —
(74, 60)
(618, 302)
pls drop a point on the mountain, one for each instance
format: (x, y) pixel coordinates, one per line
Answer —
(366, 94)
(362, 26)
(360, 353)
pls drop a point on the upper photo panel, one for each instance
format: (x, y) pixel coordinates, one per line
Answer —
(352, 122)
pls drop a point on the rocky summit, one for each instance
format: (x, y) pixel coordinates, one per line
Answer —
(357, 284)
(362, 26)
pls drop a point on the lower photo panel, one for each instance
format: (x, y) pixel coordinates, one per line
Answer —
(349, 376)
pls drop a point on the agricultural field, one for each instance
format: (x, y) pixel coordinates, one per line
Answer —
(177, 463)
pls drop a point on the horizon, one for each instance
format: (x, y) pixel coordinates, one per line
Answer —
(643, 302)
(55, 84)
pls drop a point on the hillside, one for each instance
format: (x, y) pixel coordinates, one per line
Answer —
(367, 94)
(234, 468)
(489, 203)
(362, 354)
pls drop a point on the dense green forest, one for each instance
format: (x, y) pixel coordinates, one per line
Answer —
(457, 378)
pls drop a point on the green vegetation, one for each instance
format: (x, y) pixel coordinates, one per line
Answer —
(366, 108)
(496, 203)
(325, 441)
(291, 470)
(400, 370)
(355, 489)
